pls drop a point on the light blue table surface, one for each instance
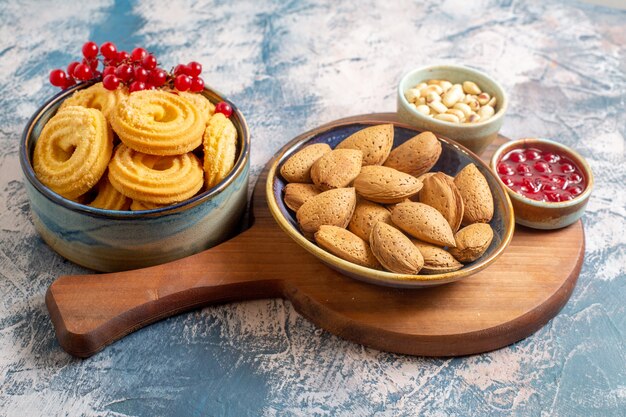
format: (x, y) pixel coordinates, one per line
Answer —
(292, 66)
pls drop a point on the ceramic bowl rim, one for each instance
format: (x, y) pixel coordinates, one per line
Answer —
(459, 68)
(29, 173)
(578, 159)
(367, 274)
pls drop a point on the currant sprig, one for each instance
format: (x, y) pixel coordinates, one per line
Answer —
(138, 70)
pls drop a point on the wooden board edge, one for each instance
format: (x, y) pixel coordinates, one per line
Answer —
(463, 344)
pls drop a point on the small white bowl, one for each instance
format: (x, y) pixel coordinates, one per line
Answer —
(475, 136)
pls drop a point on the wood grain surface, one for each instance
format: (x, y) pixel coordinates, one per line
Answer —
(508, 301)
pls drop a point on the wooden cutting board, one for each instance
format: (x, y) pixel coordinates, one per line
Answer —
(507, 302)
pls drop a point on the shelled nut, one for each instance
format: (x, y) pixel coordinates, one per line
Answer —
(455, 103)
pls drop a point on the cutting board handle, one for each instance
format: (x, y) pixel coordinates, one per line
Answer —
(92, 311)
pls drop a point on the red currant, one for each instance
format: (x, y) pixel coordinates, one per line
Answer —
(558, 181)
(137, 86)
(553, 197)
(140, 74)
(517, 156)
(93, 63)
(551, 157)
(149, 62)
(70, 82)
(523, 169)
(575, 190)
(505, 169)
(90, 50)
(567, 168)
(224, 108)
(157, 77)
(108, 70)
(122, 56)
(197, 84)
(82, 72)
(124, 72)
(532, 185)
(194, 69)
(108, 50)
(71, 67)
(180, 69)
(533, 154)
(182, 82)
(542, 167)
(575, 178)
(507, 181)
(138, 54)
(58, 78)
(110, 82)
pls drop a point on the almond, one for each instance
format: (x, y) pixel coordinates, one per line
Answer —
(366, 215)
(346, 245)
(423, 222)
(477, 198)
(334, 208)
(385, 185)
(436, 260)
(440, 193)
(297, 194)
(298, 167)
(430, 174)
(472, 241)
(336, 169)
(415, 156)
(375, 142)
(394, 250)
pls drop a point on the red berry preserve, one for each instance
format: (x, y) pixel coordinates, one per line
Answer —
(541, 174)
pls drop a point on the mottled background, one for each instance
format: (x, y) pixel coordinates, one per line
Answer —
(291, 66)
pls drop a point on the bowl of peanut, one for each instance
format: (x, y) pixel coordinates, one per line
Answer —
(455, 101)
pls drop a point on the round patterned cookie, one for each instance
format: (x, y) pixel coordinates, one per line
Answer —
(73, 151)
(202, 103)
(154, 178)
(220, 149)
(108, 197)
(96, 97)
(157, 122)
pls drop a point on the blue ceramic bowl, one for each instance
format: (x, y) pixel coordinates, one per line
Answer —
(110, 240)
(453, 158)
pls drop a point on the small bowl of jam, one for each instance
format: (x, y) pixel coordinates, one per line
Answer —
(549, 184)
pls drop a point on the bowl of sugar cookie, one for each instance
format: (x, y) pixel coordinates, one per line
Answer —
(131, 165)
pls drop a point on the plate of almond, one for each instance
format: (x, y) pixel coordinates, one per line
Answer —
(390, 205)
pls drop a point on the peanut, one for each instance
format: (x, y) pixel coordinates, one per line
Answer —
(483, 98)
(430, 88)
(471, 88)
(452, 96)
(485, 112)
(455, 103)
(464, 108)
(424, 109)
(438, 106)
(457, 113)
(447, 117)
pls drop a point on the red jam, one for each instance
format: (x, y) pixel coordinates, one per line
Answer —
(541, 174)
